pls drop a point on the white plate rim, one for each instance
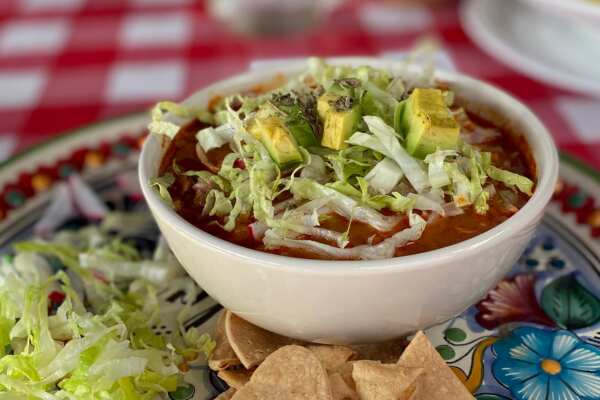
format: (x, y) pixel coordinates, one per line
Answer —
(502, 51)
(578, 8)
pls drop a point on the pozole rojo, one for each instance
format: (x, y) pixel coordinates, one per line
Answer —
(341, 163)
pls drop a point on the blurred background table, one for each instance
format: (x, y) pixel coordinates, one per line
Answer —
(67, 63)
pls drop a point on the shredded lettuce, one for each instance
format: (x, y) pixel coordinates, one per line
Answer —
(384, 177)
(343, 204)
(352, 161)
(315, 169)
(162, 183)
(397, 88)
(389, 145)
(119, 269)
(438, 176)
(481, 203)
(393, 202)
(370, 105)
(379, 78)
(511, 179)
(217, 204)
(325, 74)
(213, 138)
(383, 250)
(427, 203)
(209, 178)
(97, 343)
(367, 140)
(380, 95)
(263, 175)
(161, 125)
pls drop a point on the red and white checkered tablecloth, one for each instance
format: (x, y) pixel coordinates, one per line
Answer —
(66, 63)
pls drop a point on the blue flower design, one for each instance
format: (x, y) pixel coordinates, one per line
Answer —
(536, 364)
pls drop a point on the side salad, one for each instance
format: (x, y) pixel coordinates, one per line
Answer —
(356, 143)
(77, 310)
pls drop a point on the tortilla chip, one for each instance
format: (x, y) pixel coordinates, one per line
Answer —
(223, 355)
(345, 372)
(437, 382)
(235, 377)
(332, 357)
(250, 343)
(340, 390)
(386, 352)
(290, 373)
(377, 381)
(227, 395)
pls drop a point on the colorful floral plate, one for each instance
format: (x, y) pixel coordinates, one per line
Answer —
(536, 336)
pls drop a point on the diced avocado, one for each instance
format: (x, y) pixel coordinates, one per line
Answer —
(324, 104)
(427, 123)
(339, 123)
(294, 111)
(302, 131)
(278, 141)
(298, 125)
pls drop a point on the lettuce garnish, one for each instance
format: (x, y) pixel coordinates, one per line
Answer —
(95, 340)
(362, 177)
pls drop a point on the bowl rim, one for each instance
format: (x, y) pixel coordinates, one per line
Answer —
(582, 9)
(547, 169)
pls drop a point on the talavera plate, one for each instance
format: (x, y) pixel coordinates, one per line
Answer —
(537, 333)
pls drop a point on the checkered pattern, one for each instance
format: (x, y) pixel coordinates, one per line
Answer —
(66, 63)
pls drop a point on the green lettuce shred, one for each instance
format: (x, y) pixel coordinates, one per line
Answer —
(99, 342)
(162, 183)
(511, 179)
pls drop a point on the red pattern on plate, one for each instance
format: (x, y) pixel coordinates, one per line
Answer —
(26, 185)
(575, 200)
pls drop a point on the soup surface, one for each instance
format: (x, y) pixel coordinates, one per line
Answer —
(365, 200)
(507, 152)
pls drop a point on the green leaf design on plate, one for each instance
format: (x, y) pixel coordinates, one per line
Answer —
(570, 304)
(455, 335)
(183, 392)
(446, 352)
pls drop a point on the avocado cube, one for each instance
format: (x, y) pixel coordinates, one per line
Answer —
(292, 113)
(338, 124)
(324, 104)
(277, 140)
(427, 123)
(298, 125)
(302, 131)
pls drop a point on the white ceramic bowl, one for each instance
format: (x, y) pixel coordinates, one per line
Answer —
(358, 301)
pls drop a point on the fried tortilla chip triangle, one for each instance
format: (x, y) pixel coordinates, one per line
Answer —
(250, 343)
(340, 390)
(235, 378)
(437, 382)
(386, 352)
(223, 355)
(345, 372)
(332, 357)
(377, 381)
(290, 373)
